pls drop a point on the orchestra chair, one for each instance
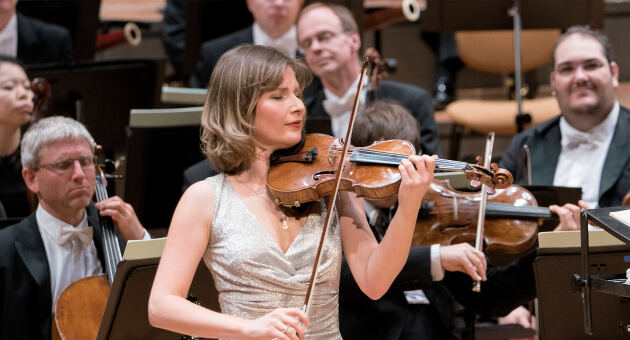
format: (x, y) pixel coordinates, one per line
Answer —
(183, 96)
(493, 51)
(161, 144)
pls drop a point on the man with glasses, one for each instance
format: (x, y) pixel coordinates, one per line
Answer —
(588, 144)
(329, 37)
(274, 26)
(60, 242)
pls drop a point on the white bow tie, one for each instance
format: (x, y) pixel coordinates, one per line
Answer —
(67, 233)
(285, 44)
(573, 139)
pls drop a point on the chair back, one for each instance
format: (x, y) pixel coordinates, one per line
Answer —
(493, 51)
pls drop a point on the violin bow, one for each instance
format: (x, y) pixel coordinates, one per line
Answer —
(334, 195)
(481, 217)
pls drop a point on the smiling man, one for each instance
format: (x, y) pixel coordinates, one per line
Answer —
(59, 243)
(587, 145)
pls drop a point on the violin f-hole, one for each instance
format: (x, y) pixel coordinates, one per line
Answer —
(320, 173)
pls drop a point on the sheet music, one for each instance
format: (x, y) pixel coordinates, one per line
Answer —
(622, 216)
(144, 249)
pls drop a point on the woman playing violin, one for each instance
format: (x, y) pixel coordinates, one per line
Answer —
(260, 255)
(16, 106)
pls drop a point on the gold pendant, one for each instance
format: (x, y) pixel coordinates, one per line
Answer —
(283, 219)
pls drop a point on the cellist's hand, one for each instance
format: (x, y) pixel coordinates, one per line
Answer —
(569, 215)
(464, 258)
(124, 217)
(417, 174)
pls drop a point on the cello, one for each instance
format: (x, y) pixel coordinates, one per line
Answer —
(81, 305)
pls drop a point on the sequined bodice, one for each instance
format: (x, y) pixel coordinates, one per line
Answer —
(252, 274)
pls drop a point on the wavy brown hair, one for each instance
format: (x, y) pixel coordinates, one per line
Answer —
(242, 75)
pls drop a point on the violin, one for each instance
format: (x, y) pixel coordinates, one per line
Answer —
(81, 305)
(372, 171)
(449, 216)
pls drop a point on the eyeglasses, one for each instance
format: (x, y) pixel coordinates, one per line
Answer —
(587, 66)
(67, 165)
(322, 38)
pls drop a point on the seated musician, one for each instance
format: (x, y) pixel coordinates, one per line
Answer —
(59, 243)
(586, 146)
(274, 26)
(419, 304)
(31, 40)
(16, 106)
(329, 36)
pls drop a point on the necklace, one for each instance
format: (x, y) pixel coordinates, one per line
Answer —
(283, 218)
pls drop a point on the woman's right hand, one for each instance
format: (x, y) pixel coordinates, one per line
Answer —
(281, 324)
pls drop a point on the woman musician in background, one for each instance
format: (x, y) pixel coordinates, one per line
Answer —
(16, 107)
(261, 255)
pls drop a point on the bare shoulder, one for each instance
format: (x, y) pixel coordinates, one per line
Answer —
(200, 190)
(197, 201)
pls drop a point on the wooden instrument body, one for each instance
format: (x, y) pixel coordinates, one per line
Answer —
(302, 182)
(452, 218)
(80, 309)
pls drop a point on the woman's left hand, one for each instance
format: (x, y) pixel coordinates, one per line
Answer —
(417, 174)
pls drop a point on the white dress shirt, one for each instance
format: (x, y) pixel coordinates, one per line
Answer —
(340, 108)
(8, 38)
(582, 156)
(69, 258)
(287, 43)
(70, 251)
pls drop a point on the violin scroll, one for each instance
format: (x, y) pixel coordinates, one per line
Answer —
(494, 177)
(502, 177)
(41, 91)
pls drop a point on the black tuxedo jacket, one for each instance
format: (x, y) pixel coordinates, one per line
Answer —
(25, 291)
(197, 172)
(543, 141)
(40, 42)
(415, 99)
(212, 50)
(392, 318)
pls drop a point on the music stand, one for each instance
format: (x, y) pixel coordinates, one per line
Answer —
(612, 284)
(559, 308)
(126, 313)
(157, 155)
(100, 94)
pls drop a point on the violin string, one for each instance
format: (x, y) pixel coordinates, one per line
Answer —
(112, 248)
(105, 230)
(397, 157)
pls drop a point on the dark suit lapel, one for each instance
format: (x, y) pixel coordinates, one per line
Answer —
(30, 248)
(25, 37)
(618, 153)
(248, 35)
(93, 221)
(545, 150)
(317, 120)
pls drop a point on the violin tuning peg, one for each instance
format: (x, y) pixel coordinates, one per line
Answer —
(475, 183)
(490, 190)
(276, 201)
(297, 204)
